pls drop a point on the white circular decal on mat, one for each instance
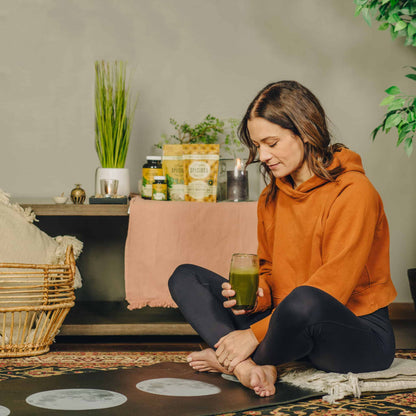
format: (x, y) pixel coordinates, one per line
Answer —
(177, 387)
(76, 399)
(4, 411)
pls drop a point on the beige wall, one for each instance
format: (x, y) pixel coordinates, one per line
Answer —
(193, 57)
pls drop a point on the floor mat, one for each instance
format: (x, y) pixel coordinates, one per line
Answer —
(215, 394)
(79, 362)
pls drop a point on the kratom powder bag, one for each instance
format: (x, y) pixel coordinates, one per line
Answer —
(200, 165)
(172, 163)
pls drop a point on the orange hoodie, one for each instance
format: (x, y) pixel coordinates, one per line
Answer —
(330, 235)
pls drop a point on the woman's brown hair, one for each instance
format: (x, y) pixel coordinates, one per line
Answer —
(293, 107)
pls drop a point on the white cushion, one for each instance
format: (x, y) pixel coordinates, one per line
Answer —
(23, 242)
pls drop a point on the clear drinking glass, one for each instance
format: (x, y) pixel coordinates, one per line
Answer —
(109, 187)
(244, 279)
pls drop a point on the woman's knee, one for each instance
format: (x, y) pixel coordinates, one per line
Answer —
(303, 305)
(181, 276)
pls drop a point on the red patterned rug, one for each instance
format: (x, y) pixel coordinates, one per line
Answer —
(58, 363)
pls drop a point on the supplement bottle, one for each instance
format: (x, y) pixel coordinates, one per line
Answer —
(152, 168)
(159, 189)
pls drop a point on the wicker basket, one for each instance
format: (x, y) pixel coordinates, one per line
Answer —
(34, 301)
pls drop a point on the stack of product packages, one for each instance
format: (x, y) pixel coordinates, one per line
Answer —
(191, 171)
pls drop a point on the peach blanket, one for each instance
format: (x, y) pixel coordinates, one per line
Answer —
(164, 234)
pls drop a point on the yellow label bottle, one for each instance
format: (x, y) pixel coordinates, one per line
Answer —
(159, 189)
(152, 168)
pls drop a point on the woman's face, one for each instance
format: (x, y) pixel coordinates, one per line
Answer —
(280, 149)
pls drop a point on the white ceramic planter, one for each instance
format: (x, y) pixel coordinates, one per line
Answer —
(121, 174)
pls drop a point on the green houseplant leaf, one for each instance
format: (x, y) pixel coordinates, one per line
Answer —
(388, 100)
(393, 90)
(397, 104)
(392, 121)
(400, 26)
(411, 76)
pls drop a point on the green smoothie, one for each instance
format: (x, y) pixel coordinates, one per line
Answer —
(245, 284)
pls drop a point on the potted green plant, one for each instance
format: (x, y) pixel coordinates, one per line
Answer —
(210, 130)
(207, 131)
(114, 113)
(399, 16)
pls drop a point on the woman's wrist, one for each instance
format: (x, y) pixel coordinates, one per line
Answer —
(254, 341)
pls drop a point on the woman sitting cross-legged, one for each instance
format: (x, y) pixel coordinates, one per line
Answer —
(323, 246)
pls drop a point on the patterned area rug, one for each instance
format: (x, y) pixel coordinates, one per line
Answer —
(58, 363)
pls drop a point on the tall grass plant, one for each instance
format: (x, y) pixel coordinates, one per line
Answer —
(114, 113)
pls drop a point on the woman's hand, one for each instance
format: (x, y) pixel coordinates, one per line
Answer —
(228, 293)
(235, 347)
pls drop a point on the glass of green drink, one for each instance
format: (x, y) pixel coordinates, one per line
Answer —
(244, 279)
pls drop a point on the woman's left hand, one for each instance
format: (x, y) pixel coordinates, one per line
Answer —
(235, 347)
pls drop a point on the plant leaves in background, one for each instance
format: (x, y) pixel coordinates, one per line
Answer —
(411, 76)
(388, 100)
(400, 17)
(408, 146)
(383, 26)
(366, 15)
(393, 90)
(400, 26)
(397, 104)
(392, 121)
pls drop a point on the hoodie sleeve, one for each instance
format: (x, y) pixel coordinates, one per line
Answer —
(353, 222)
(265, 258)
(264, 253)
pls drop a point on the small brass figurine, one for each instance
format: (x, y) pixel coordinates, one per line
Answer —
(78, 194)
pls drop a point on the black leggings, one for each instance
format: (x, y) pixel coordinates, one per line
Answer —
(307, 325)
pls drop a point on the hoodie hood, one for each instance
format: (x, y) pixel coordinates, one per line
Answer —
(349, 160)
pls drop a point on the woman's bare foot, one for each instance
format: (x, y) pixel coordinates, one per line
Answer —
(206, 360)
(260, 378)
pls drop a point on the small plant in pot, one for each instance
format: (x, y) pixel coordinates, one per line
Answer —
(207, 131)
(210, 130)
(114, 113)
